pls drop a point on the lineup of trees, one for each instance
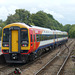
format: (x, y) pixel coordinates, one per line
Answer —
(40, 18)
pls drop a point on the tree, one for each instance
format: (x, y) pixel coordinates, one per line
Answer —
(2, 24)
(67, 28)
(45, 20)
(21, 15)
(12, 19)
(72, 31)
(40, 19)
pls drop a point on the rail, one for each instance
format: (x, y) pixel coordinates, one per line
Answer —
(50, 61)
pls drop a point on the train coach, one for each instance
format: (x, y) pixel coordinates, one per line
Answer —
(22, 42)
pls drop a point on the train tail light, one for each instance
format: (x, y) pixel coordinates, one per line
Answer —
(7, 45)
(23, 45)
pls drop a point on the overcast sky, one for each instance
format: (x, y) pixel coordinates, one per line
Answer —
(62, 10)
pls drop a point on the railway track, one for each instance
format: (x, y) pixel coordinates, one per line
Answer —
(30, 63)
(42, 61)
(62, 66)
(60, 71)
(51, 63)
(8, 70)
(2, 67)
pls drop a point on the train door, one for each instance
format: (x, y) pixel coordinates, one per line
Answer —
(34, 42)
(14, 40)
(32, 45)
(31, 40)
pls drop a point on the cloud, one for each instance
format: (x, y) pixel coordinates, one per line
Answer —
(3, 13)
(2, 1)
(33, 10)
(56, 15)
(62, 10)
(6, 11)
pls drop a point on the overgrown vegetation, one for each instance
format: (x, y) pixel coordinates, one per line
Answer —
(40, 18)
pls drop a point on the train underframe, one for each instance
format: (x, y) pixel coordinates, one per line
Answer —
(15, 58)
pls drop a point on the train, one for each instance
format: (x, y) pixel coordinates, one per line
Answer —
(22, 42)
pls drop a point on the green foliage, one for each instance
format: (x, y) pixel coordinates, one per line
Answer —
(72, 31)
(40, 18)
(21, 15)
(0, 32)
(67, 28)
(43, 19)
(2, 24)
(12, 19)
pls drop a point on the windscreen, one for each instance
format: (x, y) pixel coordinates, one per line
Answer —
(6, 35)
(24, 35)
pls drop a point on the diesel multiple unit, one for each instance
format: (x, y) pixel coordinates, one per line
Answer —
(21, 42)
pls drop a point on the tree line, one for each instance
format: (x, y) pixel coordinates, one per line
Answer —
(40, 18)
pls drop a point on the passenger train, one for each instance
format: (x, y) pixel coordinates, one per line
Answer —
(22, 42)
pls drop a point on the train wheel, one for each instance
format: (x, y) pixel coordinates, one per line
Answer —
(32, 56)
(47, 49)
(56, 45)
(53, 47)
(39, 52)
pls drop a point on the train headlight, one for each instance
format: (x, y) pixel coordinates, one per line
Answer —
(5, 45)
(25, 45)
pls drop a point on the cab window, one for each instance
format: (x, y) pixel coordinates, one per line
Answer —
(24, 34)
(6, 35)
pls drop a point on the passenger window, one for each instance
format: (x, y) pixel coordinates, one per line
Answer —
(37, 36)
(31, 38)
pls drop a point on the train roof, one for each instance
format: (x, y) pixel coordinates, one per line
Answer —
(42, 28)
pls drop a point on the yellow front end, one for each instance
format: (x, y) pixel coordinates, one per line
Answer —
(15, 41)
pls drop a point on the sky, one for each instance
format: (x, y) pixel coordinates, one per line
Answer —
(62, 10)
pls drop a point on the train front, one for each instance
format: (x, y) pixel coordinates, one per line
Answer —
(15, 43)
